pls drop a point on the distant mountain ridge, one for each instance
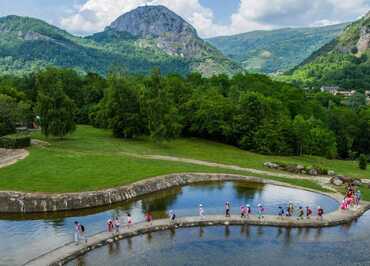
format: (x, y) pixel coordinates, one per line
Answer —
(276, 50)
(138, 41)
(344, 62)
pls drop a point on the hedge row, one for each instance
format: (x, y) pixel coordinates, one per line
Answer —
(15, 141)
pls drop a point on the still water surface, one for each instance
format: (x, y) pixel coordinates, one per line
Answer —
(24, 237)
(240, 245)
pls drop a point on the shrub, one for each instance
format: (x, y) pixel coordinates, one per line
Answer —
(362, 162)
(321, 170)
(15, 141)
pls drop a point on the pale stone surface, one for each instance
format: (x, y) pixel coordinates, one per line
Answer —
(11, 156)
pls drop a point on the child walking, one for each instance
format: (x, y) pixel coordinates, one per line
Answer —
(227, 209)
(201, 211)
(260, 211)
(248, 210)
(308, 212)
(129, 220)
(320, 213)
(117, 225)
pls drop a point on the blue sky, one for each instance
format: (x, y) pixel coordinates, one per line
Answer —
(209, 17)
(222, 9)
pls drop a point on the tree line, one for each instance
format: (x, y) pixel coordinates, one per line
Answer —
(249, 111)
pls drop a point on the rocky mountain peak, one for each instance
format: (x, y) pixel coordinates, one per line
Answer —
(152, 21)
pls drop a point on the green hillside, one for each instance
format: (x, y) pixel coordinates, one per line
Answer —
(276, 50)
(28, 45)
(343, 62)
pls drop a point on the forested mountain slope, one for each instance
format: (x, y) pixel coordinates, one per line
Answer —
(343, 62)
(276, 50)
(28, 44)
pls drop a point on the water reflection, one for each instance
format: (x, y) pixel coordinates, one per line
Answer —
(26, 236)
(243, 245)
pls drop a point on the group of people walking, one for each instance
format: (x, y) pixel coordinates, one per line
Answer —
(351, 199)
(114, 224)
(289, 211)
(300, 212)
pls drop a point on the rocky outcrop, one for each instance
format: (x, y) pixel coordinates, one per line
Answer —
(17, 202)
(173, 35)
(299, 169)
(152, 21)
(341, 180)
(364, 40)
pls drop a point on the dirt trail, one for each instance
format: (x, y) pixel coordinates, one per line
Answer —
(9, 157)
(322, 180)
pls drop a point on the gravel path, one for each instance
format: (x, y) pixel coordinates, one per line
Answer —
(9, 157)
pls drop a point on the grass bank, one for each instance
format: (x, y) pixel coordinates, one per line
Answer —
(91, 139)
(92, 159)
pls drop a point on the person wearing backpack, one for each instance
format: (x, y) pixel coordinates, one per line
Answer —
(300, 213)
(320, 212)
(149, 217)
(281, 211)
(227, 209)
(261, 209)
(172, 216)
(308, 212)
(82, 233)
(248, 210)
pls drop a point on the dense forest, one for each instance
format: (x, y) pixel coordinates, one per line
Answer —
(249, 111)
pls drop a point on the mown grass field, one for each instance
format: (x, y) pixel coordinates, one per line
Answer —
(92, 159)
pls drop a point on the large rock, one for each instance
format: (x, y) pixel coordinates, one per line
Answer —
(336, 181)
(345, 179)
(331, 173)
(271, 165)
(313, 172)
(356, 182)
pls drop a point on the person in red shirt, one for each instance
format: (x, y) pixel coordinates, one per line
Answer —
(149, 217)
(308, 212)
(320, 212)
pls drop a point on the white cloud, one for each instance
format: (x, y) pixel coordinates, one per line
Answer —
(95, 15)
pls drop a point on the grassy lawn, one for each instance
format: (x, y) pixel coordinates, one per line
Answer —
(91, 139)
(92, 159)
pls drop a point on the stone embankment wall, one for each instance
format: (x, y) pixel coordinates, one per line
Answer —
(19, 202)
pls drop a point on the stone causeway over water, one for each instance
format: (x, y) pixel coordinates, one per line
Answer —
(71, 251)
(42, 202)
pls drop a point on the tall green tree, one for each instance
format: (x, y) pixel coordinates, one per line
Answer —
(56, 111)
(163, 120)
(123, 107)
(300, 131)
(8, 109)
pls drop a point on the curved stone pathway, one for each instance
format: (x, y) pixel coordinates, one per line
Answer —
(324, 179)
(71, 251)
(9, 157)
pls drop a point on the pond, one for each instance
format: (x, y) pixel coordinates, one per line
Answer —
(240, 245)
(24, 237)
